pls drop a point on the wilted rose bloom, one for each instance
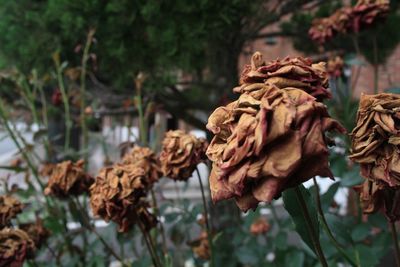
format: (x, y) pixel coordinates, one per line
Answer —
(118, 194)
(335, 67)
(375, 139)
(322, 30)
(260, 226)
(146, 159)
(180, 154)
(68, 178)
(15, 247)
(268, 140)
(366, 12)
(378, 196)
(287, 73)
(201, 246)
(37, 232)
(9, 208)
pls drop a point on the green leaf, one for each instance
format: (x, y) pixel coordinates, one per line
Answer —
(280, 240)
(327, 198)
(339, 228)
(292, 205)
(294, 259)
(360, 232)
(247, 255)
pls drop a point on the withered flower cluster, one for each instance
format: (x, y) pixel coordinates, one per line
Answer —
(260, 226)
(201, 246)
(146, 159)
(348, 19)
(269, 139)
(68, 178)
(287, 73)
(118, 194)
(15, 247)
(9, 208)
(180, 154)
(37, 232)
(375, 141)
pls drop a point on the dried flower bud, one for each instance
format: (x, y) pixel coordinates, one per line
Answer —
(9, 208)
(146, 159)
(375, 138)
(118, 194)
(47, 169)
(268, 140)
(68, 178)
(322, 30)
(335, 67)
(37, 232)
(367, 12)
(260, 226)
(287, 73)
(16, 246)
(180, 154)
(201, 246)
(378, 196)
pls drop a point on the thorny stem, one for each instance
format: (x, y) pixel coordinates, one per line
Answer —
(396, 242)
(312, 234)
(208, 226)
(326, 226)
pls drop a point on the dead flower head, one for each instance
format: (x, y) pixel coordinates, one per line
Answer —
(9, 208)
(146, 159)
(37, 232)
(260, 226)
(297, 72)
(268, 140)
(375, 138)
(367, 12)
(68, 178)
(118, 194)
(15, 247)
(201, 246)
(180, 154)
(335, 67)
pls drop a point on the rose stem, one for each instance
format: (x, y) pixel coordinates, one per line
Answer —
(157, 214)
(208, 226)
(311, 232)
(150, 245)
(326, 226)
(396, 242)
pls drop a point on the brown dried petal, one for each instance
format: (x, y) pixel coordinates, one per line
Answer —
(201, 247)
(37, 232)
(260, 226)
(9, 208)
(15, 247)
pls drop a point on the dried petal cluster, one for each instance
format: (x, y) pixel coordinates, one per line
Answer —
(146, 159)
(201, 246)
(9, 208)
(266, 141)
(37, 232)
(68, 178)
(260, 226)
(375, 141)
(15, 247)
(348, 19)
(118, 194)
(295, 72)
(180, 154)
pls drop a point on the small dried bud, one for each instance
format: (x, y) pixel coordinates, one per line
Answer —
(335, 67)
(16, 246)
(37, 232)
(260, 226)
(9, 208)
(180, 154)
(201, 246)
(68, 179)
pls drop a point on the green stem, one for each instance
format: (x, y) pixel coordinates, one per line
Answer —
(326, 226)
(157, 214)
(275, 215)
(150, 245)
(312, 234)
(396, 242)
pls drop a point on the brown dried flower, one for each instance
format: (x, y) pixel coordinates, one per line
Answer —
(37, 232)
(180, 154)
(268, 140)
(290, 72)
(118, 194)
(68, 178)
(375, 138)
(260, 226)
(378, 196)
(15, 247)
(9, 208)
(366, 12)
(201, 246)
(335, 67)
(47, 169)
(146, 159)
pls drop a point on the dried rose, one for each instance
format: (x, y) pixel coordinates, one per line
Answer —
(68, 178)
(146, 159)
(378, 196)
(118, 194)
(367, 12)
(335, 67)
(268, 140)
(201, 246)
(260, 226)
(47, 169)
(287, 73)
(9, 208)
(180, 154)
(376, 137)
(37, 232)
(15, 247)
